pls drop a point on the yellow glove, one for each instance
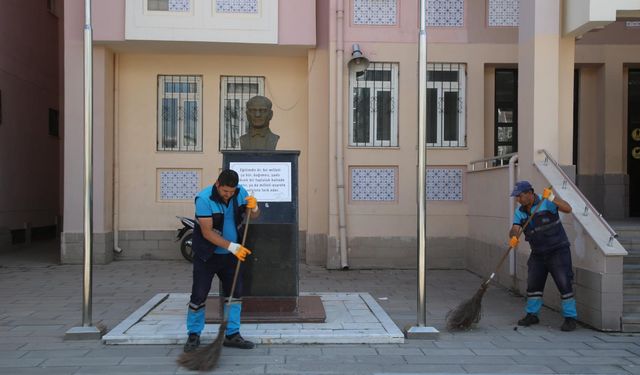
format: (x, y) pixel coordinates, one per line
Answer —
(548, 194)
(252, 203)
(513, 242)
(239, 251)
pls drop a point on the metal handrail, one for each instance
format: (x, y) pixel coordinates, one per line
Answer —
(588, 206)
(500, 158)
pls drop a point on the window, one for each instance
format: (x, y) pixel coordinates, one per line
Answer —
(234, 93)
(374, 106)
(179, 113)
(54, 122)
(446, 105)
(169, 5)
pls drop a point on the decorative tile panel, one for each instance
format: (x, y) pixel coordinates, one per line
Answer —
(179, 184)
(633, 23)
(444, 184)
(237, 6)
(504, 13)
(179, 5)
(375, 12)
(373, 184)
(445, 13)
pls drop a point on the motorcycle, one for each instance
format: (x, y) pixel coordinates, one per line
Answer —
(185, 236)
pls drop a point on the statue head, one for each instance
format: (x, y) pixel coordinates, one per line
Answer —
(259, 112)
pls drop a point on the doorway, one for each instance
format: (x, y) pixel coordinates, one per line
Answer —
(506, 112)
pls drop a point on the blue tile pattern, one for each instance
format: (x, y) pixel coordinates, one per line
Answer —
(445, 13)
(237, 6)
(504, 13)
(179, 5)
(179, 184)
(444, 184)
(373, 184)
(375, 12)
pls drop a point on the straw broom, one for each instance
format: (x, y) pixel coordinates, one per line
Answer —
(205, 359)
(469, 312)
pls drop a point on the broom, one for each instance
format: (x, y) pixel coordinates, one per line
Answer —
(468, 312)
(205, 359)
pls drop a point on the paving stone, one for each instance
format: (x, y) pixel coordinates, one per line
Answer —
(511, 369)
(588, 369)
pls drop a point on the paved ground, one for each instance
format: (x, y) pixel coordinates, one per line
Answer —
(41, 300)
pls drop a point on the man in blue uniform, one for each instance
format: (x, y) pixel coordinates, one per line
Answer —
(220, 211)
(549, 251)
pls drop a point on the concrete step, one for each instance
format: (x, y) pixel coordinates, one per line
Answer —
(631, 289)
(631, 322)
(631, 259)
(630, 308)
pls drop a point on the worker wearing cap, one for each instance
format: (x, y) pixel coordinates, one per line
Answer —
(549, 251)
(220, 210)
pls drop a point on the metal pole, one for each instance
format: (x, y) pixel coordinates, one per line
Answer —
(422, 165)
(88, 165)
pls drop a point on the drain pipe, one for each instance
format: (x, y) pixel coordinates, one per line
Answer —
(512, 182)
(342, 223)
(116, 156)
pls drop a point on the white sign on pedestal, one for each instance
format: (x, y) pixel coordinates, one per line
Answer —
(268, 181)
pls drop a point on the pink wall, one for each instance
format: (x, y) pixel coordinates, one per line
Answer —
(297, 22)
(29, 85)
(108, 20)
(614, 33)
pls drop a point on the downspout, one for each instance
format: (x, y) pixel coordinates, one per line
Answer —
(512, 182)
(342, 224)
(116, 155)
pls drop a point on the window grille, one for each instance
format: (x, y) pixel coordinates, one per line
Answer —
(234, 93)
(169, 5)
(179, 113)
(374, 106)
(446, 105)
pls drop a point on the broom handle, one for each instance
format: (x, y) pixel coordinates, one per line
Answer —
(504, 256)
(235, 274)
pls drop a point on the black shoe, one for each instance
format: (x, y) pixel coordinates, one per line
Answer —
(236, 341)
(193, 341)
(528, 320)
(568, 325)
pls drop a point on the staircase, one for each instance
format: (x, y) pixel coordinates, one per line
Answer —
(629, 237)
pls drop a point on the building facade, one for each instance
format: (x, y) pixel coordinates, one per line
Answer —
(31, 130)
(504, 76)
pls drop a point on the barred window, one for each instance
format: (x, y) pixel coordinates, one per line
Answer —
(374, 106)
(179, 113)
(446, 105)
(234, 93)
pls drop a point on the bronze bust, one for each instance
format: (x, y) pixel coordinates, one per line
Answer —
(259, 136)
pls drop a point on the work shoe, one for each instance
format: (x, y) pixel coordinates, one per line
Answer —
(568, 325)
(528, 320)
(193, 341)
(236, 341)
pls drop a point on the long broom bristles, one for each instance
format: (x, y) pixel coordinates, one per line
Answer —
(204, 359)
(467, 313)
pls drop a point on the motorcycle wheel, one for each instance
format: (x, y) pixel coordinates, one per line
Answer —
(185, 246)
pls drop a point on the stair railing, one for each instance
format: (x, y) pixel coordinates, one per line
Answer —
(587, 205)
(492, 162)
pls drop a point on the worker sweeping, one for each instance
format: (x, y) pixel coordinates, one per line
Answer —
(219, 213)
(550, 251)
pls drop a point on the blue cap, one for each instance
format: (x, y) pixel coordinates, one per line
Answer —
(521, 187)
